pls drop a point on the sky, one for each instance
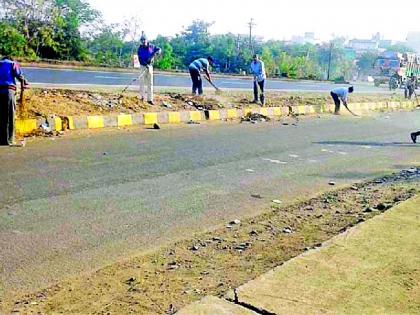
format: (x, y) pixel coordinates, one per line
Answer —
(274, 19)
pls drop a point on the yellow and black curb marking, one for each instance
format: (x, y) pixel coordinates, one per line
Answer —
(94, 122)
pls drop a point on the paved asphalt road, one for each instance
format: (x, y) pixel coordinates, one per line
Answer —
(89, 198)
(119, 79)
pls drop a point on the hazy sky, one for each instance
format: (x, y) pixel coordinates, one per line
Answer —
(274, 18)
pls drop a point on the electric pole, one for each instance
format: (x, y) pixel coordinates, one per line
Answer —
(329, 61)
(251, 24)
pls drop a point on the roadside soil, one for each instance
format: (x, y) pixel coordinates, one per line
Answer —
(212, 263)
(61, 102)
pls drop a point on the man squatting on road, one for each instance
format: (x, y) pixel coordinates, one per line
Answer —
(9, 72)
(198, 65)
(258, 71)
(340, 95)
(146, 54)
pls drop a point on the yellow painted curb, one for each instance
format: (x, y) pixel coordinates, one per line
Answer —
(264, 111)
(310, 109)
(277, 111)
(246, 111)
(195, 116)
(214, 115)
(174, 118)
(150, 118)
(58, 124)
(232, 113)
(94, 122)
(301, 109)
(25, 126)
(71, 123)
(124, 120)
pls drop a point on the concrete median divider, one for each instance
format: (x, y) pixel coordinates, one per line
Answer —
(26, 126)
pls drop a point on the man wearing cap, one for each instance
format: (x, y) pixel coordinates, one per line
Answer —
(195, 68)
(340, 95)
(146, 54)
(9, 72)
(258, 71)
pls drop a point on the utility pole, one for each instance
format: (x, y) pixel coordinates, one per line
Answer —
(251, 24)
(329, 61)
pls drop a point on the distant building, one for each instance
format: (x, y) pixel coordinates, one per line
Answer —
(307, 38)
(375, 44)
(361, 46)
(413, 40)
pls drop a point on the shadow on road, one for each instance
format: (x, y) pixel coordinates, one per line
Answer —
(367, 143)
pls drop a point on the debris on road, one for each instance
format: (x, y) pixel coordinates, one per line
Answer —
(254, 118)
(156, 127)
(277, 201)
(256, 196)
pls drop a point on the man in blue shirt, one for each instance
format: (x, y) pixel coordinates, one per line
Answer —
(146, 54)
(340, 95)
(258, 71)
(195, 68)
(9, 72)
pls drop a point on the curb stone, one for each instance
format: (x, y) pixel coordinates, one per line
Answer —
(56, 123)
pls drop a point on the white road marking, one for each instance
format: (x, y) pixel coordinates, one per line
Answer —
(294, 156)
(274, 161)
(233, 83)
(106, 77)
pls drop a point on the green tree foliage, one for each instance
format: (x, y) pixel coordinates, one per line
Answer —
(107, 46)
(12, 42)
(51, 28)
(401, 48)
(366, 62)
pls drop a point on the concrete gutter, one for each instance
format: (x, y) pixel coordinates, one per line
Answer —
(365, 270)
(27, 126)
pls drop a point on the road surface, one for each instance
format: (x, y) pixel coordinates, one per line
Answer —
(77, 78)
(79, 202)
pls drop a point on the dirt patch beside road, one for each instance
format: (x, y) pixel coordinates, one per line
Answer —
(214, 262)
(59, 102)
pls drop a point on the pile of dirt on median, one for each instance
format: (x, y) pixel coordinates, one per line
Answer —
(212, 263)
(62, 102)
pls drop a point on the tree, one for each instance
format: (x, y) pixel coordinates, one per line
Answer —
(12, 43)
(107, 46)
(167, 61)
(401, 48)
(366, 62)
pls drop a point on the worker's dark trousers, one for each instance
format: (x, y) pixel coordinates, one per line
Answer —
(337, 102)
(408, 93)
(7, 117)
(261, 85)
(196, 81)
(417, 134)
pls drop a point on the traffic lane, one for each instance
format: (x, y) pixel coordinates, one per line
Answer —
(78, 203)
(78, 77)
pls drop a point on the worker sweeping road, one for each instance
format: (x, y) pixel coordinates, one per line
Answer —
(146, 54)
(410, 87)
(341, 95)
(201, 64)
(9, 72)
(414, 136)
(258, 71)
